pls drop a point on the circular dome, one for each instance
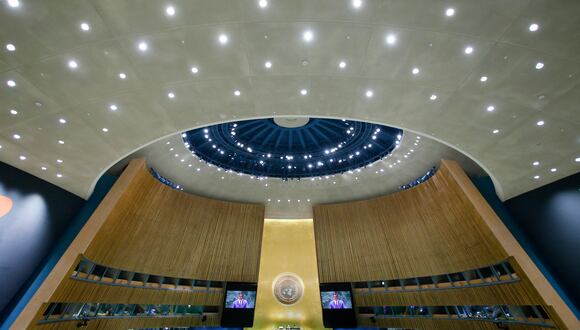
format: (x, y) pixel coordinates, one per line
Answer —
(317, 147)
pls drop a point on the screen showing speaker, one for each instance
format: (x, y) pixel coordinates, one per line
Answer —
(337, 305)
(239, 304)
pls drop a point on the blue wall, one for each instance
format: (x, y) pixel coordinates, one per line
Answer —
(59, 218)
(546, 223)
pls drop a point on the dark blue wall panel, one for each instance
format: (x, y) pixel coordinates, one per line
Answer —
(42, 223)
(546, 223)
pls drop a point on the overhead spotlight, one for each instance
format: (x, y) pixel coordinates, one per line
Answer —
(468, 50)
(268, 64)
(143, 46)
(415, 71)
(490, 108)
(237, 93)
(391, 39)
(540, 123)
(62, 120)
(13, 112)
(483, 79)
(357, 3)
(536, 163)
(72, 64)
(536, 177)
(170, 10)
(539, 65)
(223, 39)
(122, 75)
(495, 131)
(85, 26)
(104, 129)
(553, 170)
(533, 27)
(11, 83)
(113, 107)
(450, 12)
(171, 95)
(303, 92)
(308, 36)
(194, 69)
(369, 93)
(263, 3)
(433, 97)
(342, 64)
(13, 3)
(10, 47)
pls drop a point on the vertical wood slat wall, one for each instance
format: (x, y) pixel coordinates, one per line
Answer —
(431, 229)
(427, 230)
(155, 229)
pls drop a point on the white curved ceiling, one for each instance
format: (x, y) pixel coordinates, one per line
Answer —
(47, 36)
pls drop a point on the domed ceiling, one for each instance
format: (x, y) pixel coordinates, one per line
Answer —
(85, 83)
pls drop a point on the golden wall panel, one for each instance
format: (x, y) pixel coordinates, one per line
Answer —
(288, 247)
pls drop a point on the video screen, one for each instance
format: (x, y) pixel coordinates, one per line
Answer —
(240, 299)
(336, 299)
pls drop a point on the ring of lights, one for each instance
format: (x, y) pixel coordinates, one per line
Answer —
(319, 147)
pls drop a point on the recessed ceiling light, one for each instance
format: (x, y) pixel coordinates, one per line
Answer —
(303, 92)
(194, 69)
(490, 108)
(468, 50)
(483, 79)
(16, 136)
(113, 107)
(58, 175)
(495, 131)
(577, 160)
(533, 27)
(540, 123)
(13, 112)
(391, 39)
(10, 47)
(357, 3)
(72, 64)
(415, 71)
(85, 26)
(13, 3)
(171, 95)
(143, 46)
(104, 129)
(170, 10)
(60, 142)
(308, 36)
(433, 97)
(536, 177)
(268, 64)
(22, 157)
(263, 3)
(539, 65)
(237, 93)
(62, 120)
(43, 168)
(342, 64)
(553, 169)
(369, 93)
(122, 75)
(223, 39)
(11, 83)
(536, 163)
(450, 12)
(59, 161)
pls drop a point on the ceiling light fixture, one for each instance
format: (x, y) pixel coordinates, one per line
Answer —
(237, 93)
(85, 26)
(13, 3)
(577, 160)
(468, 50)
(72, 64)
(268, 64)
(533, 27)
(170, 10)
(536, 177)
(539, 66)
(122, 75)
(357, 3)
(450, 12)
(22, 157)
(113, 107)
(536, 163)
(143, 46)
(540, 123)
(60, 142)
(10, 47)
(194, 69)
(415, 71)
(495, 131)
(342, 64)
(171, 95)
(433, 97)
(11, 83)
(483, 79)
(553, 169)
(62, 120)
(391, 39)
(490, 108)
(263, 3)
(16, 136)
(369, 93)
(104, 129)
(308, 36)
(303, 92)
(58, 175)
(13, 112)
(223, 39)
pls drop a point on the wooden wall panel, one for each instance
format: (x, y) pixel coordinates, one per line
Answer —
(427, 230)
(135, 323)
(444, 324)
(159, 230)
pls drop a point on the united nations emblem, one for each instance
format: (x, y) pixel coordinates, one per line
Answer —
(288, 288)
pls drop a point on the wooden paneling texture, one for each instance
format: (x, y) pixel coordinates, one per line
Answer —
(427, 230)
(159, 230)
(444, 324)
(135, 323)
